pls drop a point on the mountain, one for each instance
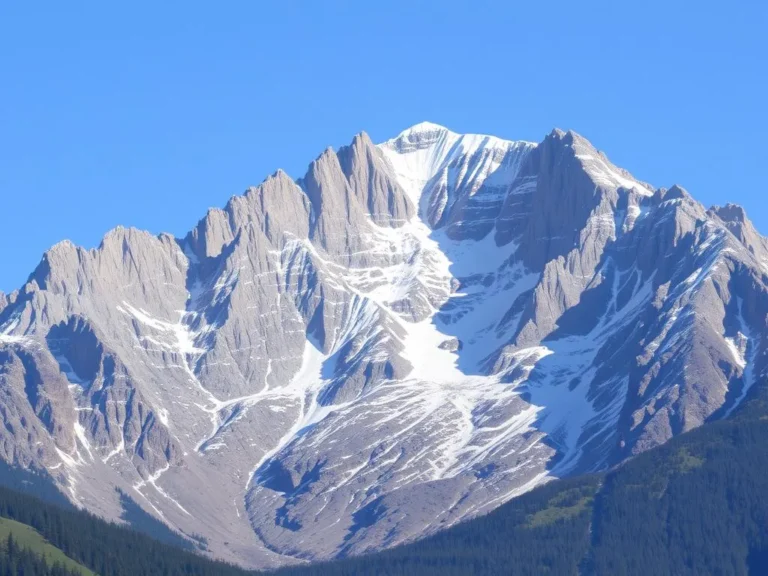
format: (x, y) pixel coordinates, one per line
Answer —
(695, 505)
(409, 336)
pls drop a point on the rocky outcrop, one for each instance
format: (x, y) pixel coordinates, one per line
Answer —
(409, 335)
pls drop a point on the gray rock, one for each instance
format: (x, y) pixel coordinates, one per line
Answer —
(452, 345)
(409, 335)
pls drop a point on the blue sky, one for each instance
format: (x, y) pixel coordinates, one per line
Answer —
(147, 113)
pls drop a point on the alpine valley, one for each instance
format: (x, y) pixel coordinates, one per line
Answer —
(408, 336)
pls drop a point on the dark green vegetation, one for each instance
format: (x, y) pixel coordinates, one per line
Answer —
(16, 559)
(106, 549)
(697, 505)
(28, 539)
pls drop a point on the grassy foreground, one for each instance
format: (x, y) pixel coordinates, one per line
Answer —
(29, 538)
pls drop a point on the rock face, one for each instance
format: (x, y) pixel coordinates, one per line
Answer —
(411, 334)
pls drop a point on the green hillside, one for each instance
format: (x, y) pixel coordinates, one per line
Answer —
(53, 532)
(28, 538)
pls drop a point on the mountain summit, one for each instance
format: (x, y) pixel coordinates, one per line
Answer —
(410, 335)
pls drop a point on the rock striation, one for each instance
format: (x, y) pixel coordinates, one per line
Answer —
(409, 335)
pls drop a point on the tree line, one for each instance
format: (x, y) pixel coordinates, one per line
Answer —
(696, 505)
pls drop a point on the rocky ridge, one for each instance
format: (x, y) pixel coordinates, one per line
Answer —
(411, 334)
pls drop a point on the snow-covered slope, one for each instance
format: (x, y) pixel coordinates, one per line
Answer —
(411, 334)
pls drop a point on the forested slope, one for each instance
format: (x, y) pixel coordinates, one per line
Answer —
(105, 548)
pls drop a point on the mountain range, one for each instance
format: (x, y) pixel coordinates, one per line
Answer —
(408, 336)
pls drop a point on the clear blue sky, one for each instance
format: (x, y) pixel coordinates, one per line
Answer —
(147, 113)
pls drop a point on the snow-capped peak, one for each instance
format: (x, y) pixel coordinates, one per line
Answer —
(425, 150)
(425, 132)
(323, 351)
(422, 128)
